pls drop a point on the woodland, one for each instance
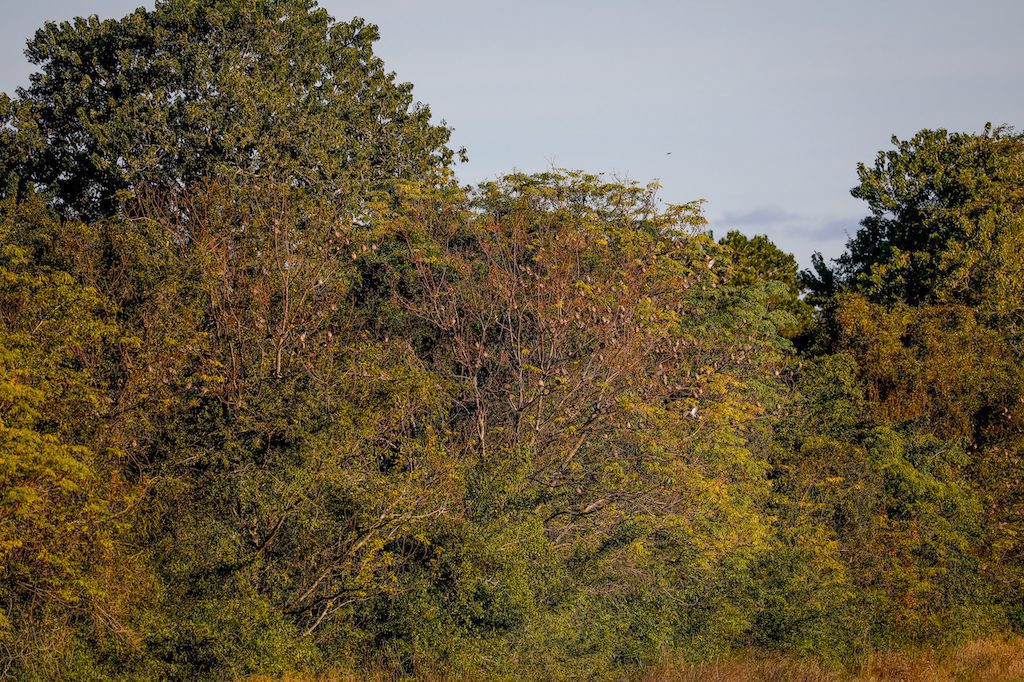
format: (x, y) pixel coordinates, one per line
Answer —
(280, 397)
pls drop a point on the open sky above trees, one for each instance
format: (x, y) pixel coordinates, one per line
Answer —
(765, 107)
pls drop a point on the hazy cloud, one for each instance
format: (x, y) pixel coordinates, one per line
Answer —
(764, 215)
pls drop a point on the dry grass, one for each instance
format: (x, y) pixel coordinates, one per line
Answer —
(764, 668)
(995, 659)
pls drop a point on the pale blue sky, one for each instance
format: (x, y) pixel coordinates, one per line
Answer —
(765, 106)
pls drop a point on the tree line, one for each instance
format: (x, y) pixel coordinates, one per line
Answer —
(277, 394)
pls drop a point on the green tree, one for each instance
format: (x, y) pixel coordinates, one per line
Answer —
(946, 223)
(69, 581)
(194, 89)
(927, 299)
(605, 377)
(878, 532)
(757, 261)
(290, 453)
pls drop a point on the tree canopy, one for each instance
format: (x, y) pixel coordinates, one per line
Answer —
(193, 88)
(278, 396)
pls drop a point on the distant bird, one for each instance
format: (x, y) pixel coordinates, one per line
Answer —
(668, 153)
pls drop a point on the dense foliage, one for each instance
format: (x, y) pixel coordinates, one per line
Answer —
(276, 394)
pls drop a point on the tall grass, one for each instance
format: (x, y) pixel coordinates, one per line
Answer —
(992, 659)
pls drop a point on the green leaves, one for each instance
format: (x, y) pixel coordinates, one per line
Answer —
(946, 223)
(59, 539)
(292, 399)
(192, 90)
(920, 307)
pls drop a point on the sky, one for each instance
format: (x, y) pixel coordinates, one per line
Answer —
(763, 109)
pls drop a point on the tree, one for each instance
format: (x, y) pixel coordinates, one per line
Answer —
(194, 89)
(928, 300)
(69, 581)
(277, 395)
(605, 378)
(946, 223)
(290, 454)
(757, 261)
(879, 530)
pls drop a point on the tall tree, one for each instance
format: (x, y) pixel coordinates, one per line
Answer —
(946, 222)
(194, 88)
(929, 300)
(605, 379)
(756, 260)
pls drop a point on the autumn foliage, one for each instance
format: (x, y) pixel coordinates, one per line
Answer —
(279, 397)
